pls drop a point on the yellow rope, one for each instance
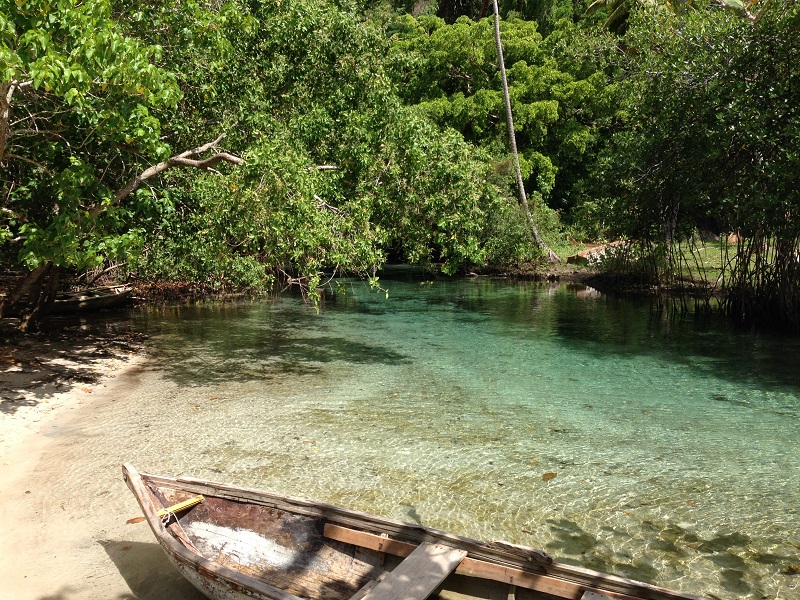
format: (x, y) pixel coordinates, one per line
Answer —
(175, 508)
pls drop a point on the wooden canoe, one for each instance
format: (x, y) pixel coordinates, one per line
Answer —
(91, 299)
(240, 543)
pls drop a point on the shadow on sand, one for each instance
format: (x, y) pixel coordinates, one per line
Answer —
(34, 367)
(147, 571)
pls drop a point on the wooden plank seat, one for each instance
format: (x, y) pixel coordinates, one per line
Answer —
(419, 574)
(473, 567)
(367, 587)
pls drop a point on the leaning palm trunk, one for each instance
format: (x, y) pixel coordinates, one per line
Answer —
(512, 140)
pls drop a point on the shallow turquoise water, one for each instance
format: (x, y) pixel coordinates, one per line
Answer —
(546, 415)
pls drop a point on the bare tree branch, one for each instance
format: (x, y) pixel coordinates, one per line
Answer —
(322, 204)
(103, 272)
(22, 287)
(180, 160)
(27, 160)
(6, 91)
(744, 8)
(207, 163)
(14, 86)
(13, 214)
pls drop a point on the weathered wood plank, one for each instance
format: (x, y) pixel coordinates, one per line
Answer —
(473, 567)
(367, 587)
(418, 575)
(368, 540)
(531, 581)
(595, 596)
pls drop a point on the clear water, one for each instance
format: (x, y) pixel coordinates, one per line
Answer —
(545, 415)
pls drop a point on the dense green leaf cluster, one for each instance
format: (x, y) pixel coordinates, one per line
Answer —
(373, 131)
(558, 85)
(305, 85)
(77, 118)
(545, 12)
(338, 174)
(708, 142)
(711, 128)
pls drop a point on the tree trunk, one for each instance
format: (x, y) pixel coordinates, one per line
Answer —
(7, 90)
(33, 295)
(5, 115)
(46, 296)
(512, 140)
(23, 289)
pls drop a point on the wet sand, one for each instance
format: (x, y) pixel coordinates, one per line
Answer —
(63, 508)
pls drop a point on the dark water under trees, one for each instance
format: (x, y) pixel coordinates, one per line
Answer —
(545, 415)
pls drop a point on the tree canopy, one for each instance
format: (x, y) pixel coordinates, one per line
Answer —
(77, 101)
(708, 141)
(240, 142)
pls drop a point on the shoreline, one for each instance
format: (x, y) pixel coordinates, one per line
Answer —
(35, 400)
(43, 374)
(62, 508)
(33, 405)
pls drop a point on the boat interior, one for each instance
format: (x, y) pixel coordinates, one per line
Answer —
(318, 557)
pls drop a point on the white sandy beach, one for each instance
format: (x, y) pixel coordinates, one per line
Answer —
(63, 534)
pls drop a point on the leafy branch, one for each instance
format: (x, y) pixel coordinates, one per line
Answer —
(184, 159)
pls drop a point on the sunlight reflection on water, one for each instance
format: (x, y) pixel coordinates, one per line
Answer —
(542, 415)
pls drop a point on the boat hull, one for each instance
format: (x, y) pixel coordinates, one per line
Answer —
(91, 300)
(242, 543)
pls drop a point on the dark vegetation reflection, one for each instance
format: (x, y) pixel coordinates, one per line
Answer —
(600, 325)
(207, 344)
(261, 340)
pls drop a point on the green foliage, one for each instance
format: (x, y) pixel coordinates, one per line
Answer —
(293, 87)
(558, 85)
(710, 127)
(711, 104)
(434, 193)
(80, 121)
(406, 116)
(547, 13)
